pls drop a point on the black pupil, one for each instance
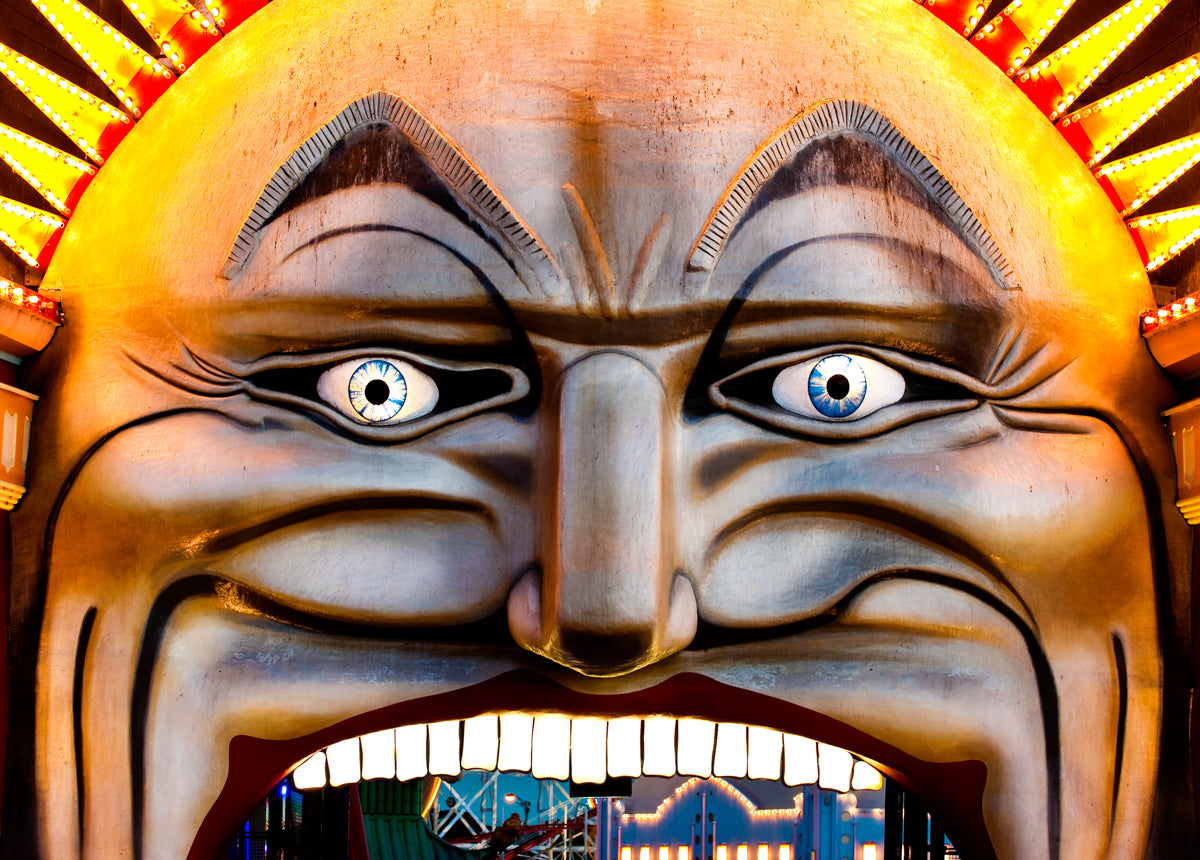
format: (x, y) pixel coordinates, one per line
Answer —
(377, 391)
(838, 387)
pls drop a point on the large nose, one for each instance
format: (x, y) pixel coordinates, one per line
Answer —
(607, 599)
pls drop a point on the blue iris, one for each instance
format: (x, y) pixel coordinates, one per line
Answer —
(837, 385)
(377, 390)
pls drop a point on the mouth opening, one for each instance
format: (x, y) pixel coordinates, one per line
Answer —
(829, 790)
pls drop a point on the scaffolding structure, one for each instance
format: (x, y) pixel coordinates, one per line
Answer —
(555, 826)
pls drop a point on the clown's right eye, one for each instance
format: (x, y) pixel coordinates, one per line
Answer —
(387, 395)
(378, 391)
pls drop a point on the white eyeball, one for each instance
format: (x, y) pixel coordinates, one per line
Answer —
(837, 387)
(378, 391)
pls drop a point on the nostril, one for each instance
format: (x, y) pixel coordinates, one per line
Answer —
(600, 654)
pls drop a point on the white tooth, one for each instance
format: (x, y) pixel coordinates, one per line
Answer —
(764, 852)
(411, 742)
(644, 853)
(799, 760)
(695, 753)
(626, 852)
(743, 852)
(722, 852)
(481, 737)
(659, 747)
(865, 777)
(766, 747)
(310, 773)
(588, 750)
(684, 853)
(625, 747)
(664, 852)
(730, 758)
(785, 852)
(443, 748)
(379, 755)
(551, 747)
(516, 742)
(835, 765)
(343, 762)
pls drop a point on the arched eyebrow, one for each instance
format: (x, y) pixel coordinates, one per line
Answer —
(827, 120)
(451, 165)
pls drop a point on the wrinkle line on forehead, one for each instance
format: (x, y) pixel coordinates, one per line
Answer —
(442, 155)
(827, 120)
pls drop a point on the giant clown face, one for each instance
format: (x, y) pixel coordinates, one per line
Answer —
(751, 362)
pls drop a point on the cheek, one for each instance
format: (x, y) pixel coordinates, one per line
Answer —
(316, 523)
(1041, 520)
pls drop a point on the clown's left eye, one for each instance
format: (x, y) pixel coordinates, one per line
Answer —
(378, 391)
(844, 393)
(837, 387)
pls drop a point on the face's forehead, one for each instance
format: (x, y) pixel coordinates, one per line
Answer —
(644, 108)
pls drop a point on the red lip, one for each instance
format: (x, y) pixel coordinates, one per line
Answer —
(954, 790)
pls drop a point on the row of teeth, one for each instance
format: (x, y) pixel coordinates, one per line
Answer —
(586, 750)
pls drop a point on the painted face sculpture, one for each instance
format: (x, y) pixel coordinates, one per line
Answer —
(770, 363)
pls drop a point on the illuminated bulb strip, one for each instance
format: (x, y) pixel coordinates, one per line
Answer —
(91, 123)
(1132, 181)
(134, 77)
(31, 233)
(1009, 38)
(1185, 307)
(1094, 131)
(230, 13)
(1163, 236)
(836, 766)
(1054, 83)
(180, 30)
(963, 16)
(28, 300)
(692, 784)
(57, 176)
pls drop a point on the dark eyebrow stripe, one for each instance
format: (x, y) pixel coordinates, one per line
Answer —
(442, 155)
(349, 231)
(824, 121)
